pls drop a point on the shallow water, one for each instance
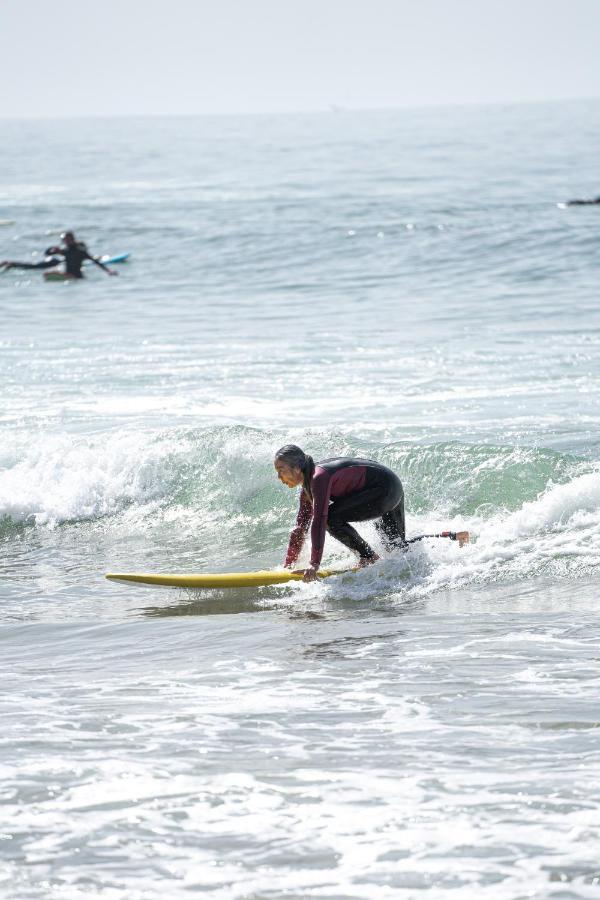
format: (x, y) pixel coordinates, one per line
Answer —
(403, 286)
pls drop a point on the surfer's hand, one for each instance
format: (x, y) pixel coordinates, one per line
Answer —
(462, 537)
(310, 574)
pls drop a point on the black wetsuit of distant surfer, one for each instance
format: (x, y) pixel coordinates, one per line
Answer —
(593, 202)
(348, 490)
(48, 262)
(74, 254)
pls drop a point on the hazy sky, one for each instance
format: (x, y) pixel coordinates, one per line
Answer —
(221, 56)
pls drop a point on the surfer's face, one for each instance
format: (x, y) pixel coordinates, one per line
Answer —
(289, 475)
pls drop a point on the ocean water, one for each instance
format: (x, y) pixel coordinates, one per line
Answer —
(403, 285)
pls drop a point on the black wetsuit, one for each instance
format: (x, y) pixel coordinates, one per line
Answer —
(593, 202)
(49, 262)
(348, 490)
(74, 258)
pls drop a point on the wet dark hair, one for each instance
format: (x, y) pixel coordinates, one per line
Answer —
(294, 456)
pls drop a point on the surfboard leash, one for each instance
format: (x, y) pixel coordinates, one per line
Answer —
(453, 535)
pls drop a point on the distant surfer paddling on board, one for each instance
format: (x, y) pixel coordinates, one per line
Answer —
(74, 253)
(594, 202)
(338, 491)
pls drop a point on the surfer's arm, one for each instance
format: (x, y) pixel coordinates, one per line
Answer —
(97, 262)
(296, 541)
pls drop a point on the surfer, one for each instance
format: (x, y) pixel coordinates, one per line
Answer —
(594, 201)
(74, 253)
(336, 492)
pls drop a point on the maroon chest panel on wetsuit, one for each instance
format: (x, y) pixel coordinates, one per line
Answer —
(341, 482)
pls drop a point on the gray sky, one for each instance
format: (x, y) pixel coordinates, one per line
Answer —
(229, 56)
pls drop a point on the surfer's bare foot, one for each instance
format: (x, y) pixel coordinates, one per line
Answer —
(463, 537)
(367, 561)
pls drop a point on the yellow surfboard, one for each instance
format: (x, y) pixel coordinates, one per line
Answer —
(220, 580)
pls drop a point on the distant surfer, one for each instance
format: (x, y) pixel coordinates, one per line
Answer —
(592, 202)
(74, 253)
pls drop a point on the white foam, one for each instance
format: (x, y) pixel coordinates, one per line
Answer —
(83, 478)
(67, 478)
(555, 507)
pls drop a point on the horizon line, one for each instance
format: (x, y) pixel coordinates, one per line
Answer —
(330, 109)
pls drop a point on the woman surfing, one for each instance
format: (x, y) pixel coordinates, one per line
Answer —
(338, 491)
